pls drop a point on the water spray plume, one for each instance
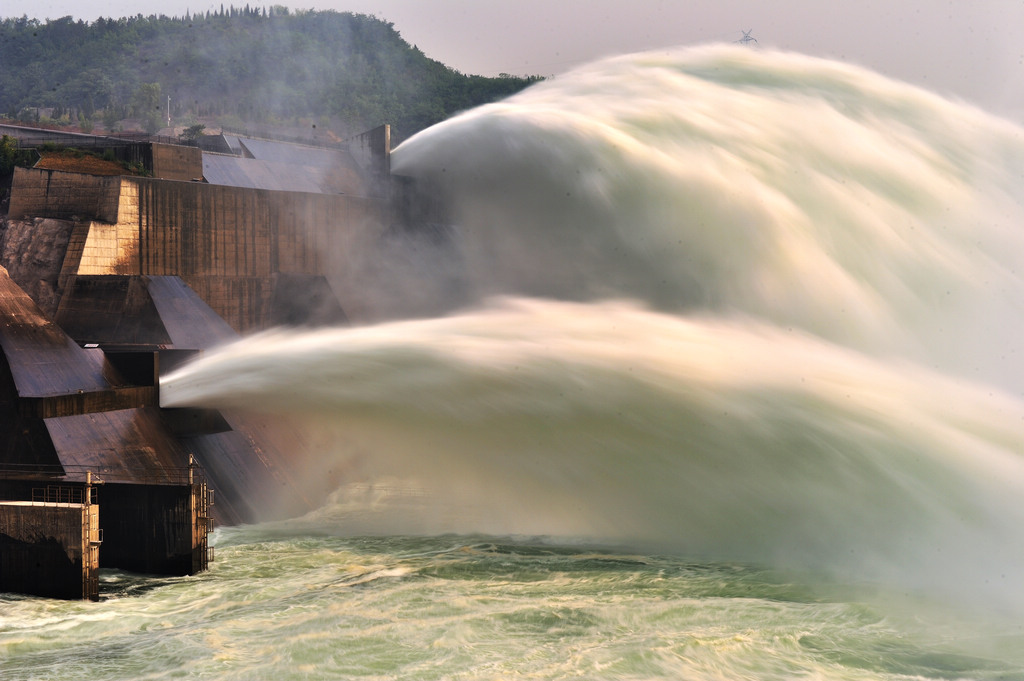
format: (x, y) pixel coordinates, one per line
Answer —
(735, 304)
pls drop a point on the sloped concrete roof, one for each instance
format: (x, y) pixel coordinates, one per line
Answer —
(44, 361)
(160, 312)
(190, 323)
(250, 173)
(127, 446)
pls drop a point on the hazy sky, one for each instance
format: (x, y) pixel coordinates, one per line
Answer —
(970, 49)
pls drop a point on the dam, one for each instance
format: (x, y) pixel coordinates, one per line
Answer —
(110, 281)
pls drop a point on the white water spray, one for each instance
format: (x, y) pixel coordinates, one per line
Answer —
(820, 367)
(795, 190)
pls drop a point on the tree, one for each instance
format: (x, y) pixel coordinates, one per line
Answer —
(146, 105)
(146, 99)
(255, 65)
(193, 132)
(11, 155)
(111, 119)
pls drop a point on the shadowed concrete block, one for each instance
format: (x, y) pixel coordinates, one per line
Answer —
(56, 194)
(173, 162)
(50, 549)
(33, 251)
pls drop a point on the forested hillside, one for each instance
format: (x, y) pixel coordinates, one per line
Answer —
(237, 66)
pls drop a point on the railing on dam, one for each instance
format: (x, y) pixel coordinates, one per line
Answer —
(183, 475)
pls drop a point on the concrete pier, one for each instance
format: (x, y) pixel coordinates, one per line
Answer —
(51, 548)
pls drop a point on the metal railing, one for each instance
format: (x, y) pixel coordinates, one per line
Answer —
(157, 475)
(61, 494)
(30, 138)
(166, 475)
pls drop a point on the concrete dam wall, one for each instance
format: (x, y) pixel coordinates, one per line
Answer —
(230, 244)
(109, 282)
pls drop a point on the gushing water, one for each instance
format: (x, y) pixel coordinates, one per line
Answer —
(733, 304)
(797, 191)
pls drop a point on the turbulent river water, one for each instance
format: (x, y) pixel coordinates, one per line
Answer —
(722, 382)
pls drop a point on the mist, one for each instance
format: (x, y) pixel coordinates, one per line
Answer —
(726, 304)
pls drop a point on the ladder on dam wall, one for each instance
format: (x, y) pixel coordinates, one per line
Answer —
(202, 523)
(92, 535)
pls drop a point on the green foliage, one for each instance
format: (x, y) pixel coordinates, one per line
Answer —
(145, 106)
(146, 100)
(8, 150)
(252, 65)
(137, 169)
(111, 119)
(193, 132)
(152, 123)
(11, 156)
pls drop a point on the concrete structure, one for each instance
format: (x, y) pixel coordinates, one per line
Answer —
(50, 546)
(128, 278)
(175, 162)
(69, 414)
(162, 157)
(64, 196)
(232, 245)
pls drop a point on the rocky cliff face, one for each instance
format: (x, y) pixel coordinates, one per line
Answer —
(33, 253)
